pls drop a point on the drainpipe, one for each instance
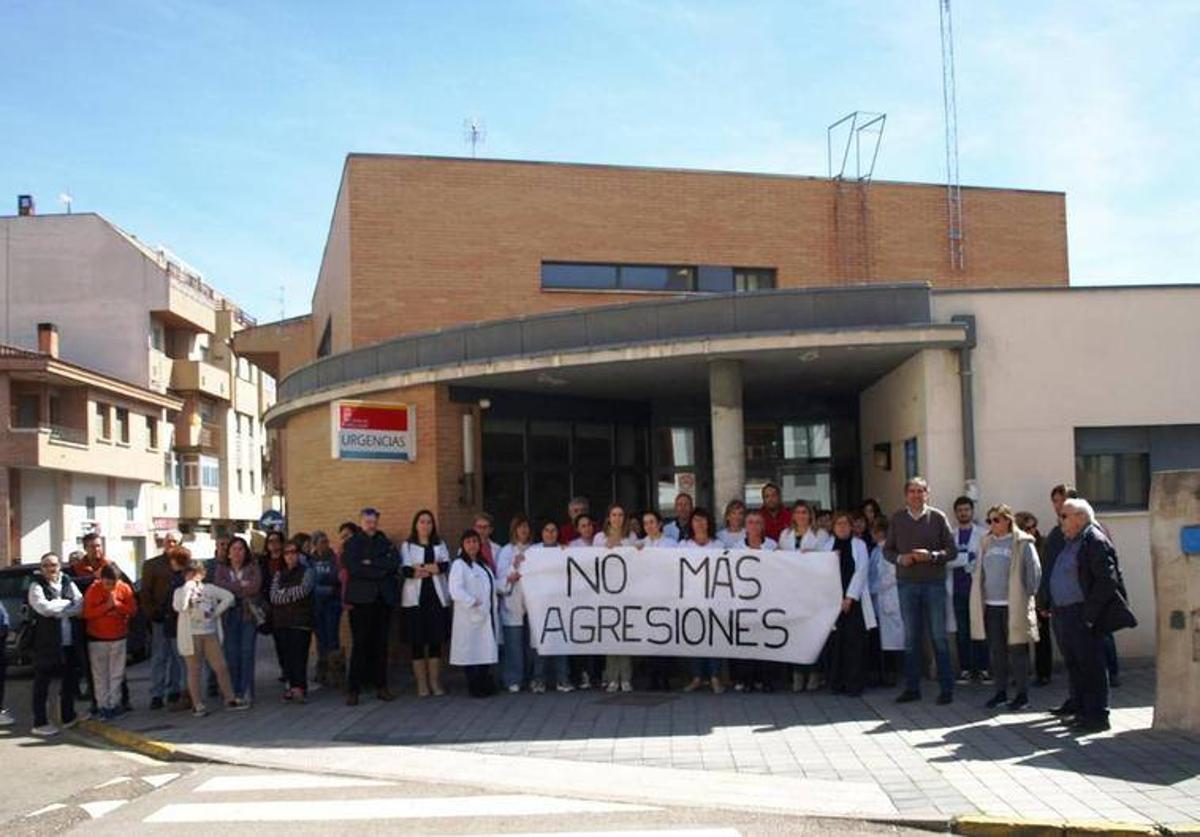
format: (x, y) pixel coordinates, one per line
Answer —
(966, 376)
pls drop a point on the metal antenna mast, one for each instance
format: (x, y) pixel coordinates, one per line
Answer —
(474, 132)
(954, 210)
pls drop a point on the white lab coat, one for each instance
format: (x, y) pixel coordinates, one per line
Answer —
(413, 555)
(887, 606)
(661, 542)
(475, 633)
(601, 540)
(814, 540)
(512, 596)
(731, 539)
(962, 559)
(768, 545)
(857, 588)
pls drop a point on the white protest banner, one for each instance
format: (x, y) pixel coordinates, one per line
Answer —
(740, 604)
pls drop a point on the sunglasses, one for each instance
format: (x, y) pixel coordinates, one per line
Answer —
(992, 520)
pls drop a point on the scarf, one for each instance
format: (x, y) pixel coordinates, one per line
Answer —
(845, 551)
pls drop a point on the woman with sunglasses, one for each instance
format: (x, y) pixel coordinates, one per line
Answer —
(292, 611)
(1002, 604)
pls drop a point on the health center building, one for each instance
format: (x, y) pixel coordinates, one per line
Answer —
(505, 335)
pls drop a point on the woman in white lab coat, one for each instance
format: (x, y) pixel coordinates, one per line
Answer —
(512, 601)
(618, 668)
(886, 598)
(424, 599)
(475, 632)
(847, 651)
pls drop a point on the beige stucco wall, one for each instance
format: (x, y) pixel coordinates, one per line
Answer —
(918, 398)
(1050, 361)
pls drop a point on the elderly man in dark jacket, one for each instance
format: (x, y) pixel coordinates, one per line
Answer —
(1085, 590)
(372, 589)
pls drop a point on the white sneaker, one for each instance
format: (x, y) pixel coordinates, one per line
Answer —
(6, 720)
(537, 687)
(74, 722)
(514, 688)
(626, 686)
(199, 710)
(585, 681)
(565, 687)
(45, 731)
(612, 686)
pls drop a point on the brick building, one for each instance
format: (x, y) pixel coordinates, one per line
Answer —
(626, 333)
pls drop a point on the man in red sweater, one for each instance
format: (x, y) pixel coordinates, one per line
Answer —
(108, 605)
(776, 516)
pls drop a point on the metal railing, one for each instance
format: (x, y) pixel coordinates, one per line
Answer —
(56, 432)
(690, 318)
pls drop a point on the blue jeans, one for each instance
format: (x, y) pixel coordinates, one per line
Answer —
(166, 666)
(972, 654)
(512, 656)
(704, 667)
(240, 638)
(328, 615)
(558, 665)
(923, 603)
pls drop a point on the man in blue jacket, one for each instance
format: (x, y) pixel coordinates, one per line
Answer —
(372, 588)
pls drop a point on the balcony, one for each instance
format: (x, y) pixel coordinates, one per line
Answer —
(160, 371)
(66, 448)
(190, 304)
(205, 437)
(199, 503)
(200, 376)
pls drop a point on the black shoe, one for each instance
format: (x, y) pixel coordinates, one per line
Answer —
(997, 699)
(908, 696)
(156, 703)
(1086, 726)
(1019, 702)
(1066, 708)
(173, 697)
(945, 698)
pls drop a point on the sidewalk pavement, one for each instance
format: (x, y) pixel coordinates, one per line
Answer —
(781, 752)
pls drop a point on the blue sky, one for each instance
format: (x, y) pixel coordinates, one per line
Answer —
(219, 128)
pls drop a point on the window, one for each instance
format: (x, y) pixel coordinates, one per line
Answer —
(89, 507)
(644, 278)
(103, 421)
(123, 425)
(561, 275)
(208, 412)
(1113, 464)
(152, 432)
(55, 411)
(243, 369)
(239, 480)
(210, 472)
(157, 337)
(170, 469)
(753, 278)
(25, 410)
(806, 441)
(191, 472)
(252, 482)
(130, 507)
(912, 464)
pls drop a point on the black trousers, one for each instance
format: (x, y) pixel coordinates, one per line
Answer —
(1083, 653)
(1044, 651)
(846, 652)
(3, 667)
(68, 675)
(294, 643)
(369, 625)
(480, 682)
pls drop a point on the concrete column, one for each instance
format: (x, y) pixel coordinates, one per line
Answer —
(1175, 504)
(728, 434)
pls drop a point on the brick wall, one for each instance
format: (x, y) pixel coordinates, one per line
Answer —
(323, 492)
(434, 242)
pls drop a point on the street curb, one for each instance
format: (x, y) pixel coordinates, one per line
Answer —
(987, 826)
(138, 743)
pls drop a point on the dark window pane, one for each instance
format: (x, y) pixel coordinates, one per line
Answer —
(549, 492)
(653, 278)
(761, 442)
(1135, 482)
(631, 445)
(714, 279)
(503, 441)
(631, 491)
(560, 275)
(503, 495)
(753, 278)
(550, 442)
(26, 409)
(597, 487)
(1096, 477)
(593, 446)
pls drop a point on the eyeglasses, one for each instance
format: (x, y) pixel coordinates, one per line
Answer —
(1064, 516)
(992, 520)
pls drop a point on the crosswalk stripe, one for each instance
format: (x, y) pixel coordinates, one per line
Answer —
(114, 781)
(97, 809)
(160, 779)
(53, 806)
(391, 808)
(285, 781)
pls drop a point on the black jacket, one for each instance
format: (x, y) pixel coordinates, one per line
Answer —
(1105, 602)
(47, 637)
(1055, 541)
(372, 569)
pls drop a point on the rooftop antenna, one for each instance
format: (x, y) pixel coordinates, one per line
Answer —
(66, 200)
(474, 132)
(954, 210)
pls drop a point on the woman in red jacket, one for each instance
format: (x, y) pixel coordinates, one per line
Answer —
(108, 606)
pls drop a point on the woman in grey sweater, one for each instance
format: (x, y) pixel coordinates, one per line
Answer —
(1002, 604)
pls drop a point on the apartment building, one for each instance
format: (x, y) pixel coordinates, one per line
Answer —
(142, 316)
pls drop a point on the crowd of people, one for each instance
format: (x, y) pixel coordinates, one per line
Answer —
(909, 583)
